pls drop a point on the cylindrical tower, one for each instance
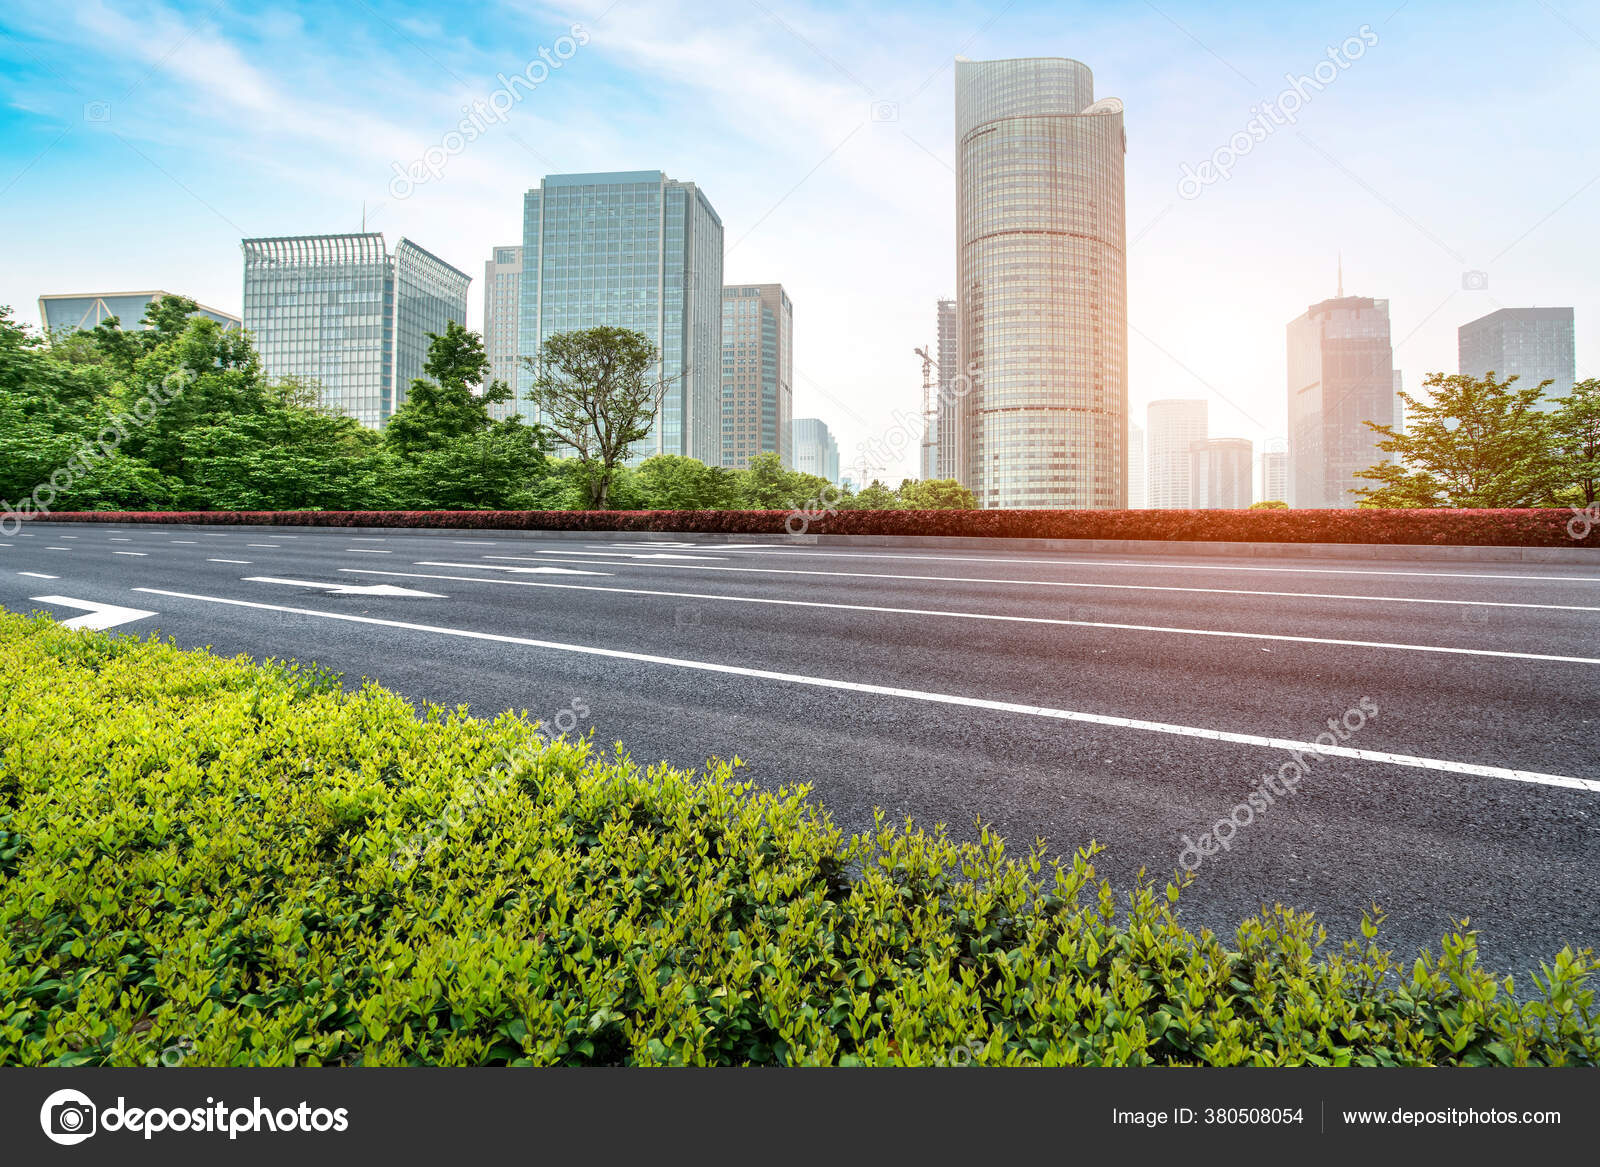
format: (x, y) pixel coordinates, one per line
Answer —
(1042, 285)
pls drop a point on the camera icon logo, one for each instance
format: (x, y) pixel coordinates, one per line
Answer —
(885, 111)
(97, 111)
(1474, 281)
(67, 1117)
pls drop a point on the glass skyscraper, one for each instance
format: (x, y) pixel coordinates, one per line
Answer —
(815, 449)
(633, 249)
(1042, 285)
(502, 292)
(340, 311)
(1221, 473)
(1341, 374)
(757, 373)
(1535, 344)
(1173, 425)
(946, 424)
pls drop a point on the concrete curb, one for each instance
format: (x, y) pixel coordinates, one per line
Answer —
(1401, 552)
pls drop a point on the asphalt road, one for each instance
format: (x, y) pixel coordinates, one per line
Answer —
(1065, 697)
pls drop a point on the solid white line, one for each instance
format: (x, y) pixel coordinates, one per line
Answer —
(1533, 776)
(140, 554)
(1060, 583)
(243, 561)
(1168, 566)
(1581, 660)
(38, 575)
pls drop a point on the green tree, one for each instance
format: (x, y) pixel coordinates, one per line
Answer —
(1575, 439)
(936, 494)
(1269, 504)
(596, 394)
(1475, 442)
(875, 496)
(672, 482)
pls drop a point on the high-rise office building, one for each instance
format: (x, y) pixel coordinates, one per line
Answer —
(951, 382)
(1221, 473)
(815, 450)
(1173, 426)
(1138, 498)
(757, 373)
(1275, 472)
(72, 312)
(502, 292)
(1042, 285)
(633, 249)
(1341, 374)
(341, 311)
(1535, 344)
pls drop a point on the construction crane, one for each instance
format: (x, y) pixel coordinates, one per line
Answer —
(930, 417)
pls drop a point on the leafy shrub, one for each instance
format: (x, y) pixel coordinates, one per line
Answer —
(248, 865)
(1534, 527)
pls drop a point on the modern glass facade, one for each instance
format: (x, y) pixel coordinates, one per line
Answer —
(1275, 472)
(340, 311)
(1137, 497)
(946, 424)
(757, 373)
(633, 249)
(1221, 473)
(1173, 426)
(1042, 286)
(1534, 344)
(815, 450)
(1341, 374)
(84, 310)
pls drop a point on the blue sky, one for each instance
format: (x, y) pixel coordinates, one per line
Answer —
(140, 141)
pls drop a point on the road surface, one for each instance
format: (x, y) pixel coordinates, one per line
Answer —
(1140, 702)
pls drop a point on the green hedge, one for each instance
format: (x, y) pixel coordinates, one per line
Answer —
(220, 862)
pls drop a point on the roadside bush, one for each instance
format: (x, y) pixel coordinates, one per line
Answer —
(1534, 527)
(238, 864)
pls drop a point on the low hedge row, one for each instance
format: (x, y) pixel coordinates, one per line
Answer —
(1536, 527)
(218, 862)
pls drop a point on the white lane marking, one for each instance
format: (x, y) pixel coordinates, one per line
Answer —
(519, 570)
(1589, 784)
(20, 536)
(798, 554)
(339, 589)
(1061, 583)
(38, 575)
(269, 546)
(367, 539)
(368, 551)
(209, 535)
(100, 617)
(5, 544)
(140, 554)
(474, 542)
(66, 536)
(633, 555)
(114, 539)
(58, 549)
(245, 562)
(1578, 660)
(189, 542)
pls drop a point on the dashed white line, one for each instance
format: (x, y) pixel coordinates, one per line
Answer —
(114, 539)
(1059, 583)
(1052, 620)
(243, 561)
(140, 554)
(58, 549)
(38, 575)
(189, 542)
(268, 546)
(367, 551)
(1531, 776)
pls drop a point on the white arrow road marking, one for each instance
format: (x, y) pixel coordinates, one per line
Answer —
(339, 589)
(632, 555)
(100, 617)
(1591, 785)
(524, 570)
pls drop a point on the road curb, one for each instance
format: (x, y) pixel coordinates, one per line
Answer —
(1403, 552)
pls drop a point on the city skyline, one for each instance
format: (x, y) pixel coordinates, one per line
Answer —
(841, 185)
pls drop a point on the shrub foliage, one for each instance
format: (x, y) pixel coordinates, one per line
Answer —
(252, 866)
